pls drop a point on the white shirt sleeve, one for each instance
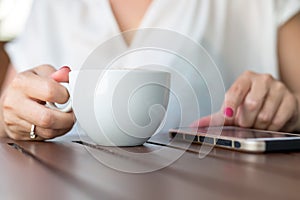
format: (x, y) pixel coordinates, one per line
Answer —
(285, 10)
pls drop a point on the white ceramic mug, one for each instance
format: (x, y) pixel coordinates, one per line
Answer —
(118, 107)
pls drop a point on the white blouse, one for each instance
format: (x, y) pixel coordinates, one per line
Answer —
(238, 35)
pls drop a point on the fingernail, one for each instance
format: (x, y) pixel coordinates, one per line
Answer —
(228, 112)
(65, 67)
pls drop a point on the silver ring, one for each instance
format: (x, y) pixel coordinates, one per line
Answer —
(32, 134)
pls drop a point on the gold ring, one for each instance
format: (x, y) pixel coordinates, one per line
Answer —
(32, 134)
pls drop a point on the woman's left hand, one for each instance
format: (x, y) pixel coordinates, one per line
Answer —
(256, 101)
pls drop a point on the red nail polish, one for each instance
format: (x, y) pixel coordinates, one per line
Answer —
(65, 67)
(228, 112)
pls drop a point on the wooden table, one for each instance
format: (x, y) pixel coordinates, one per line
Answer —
(67, 168)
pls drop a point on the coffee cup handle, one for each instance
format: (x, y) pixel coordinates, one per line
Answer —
(66, 107)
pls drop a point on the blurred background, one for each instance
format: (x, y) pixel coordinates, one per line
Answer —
(13, 16)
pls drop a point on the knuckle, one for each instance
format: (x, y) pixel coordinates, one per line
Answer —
(46, 119)
(279, 86)
(13, 136)
(267, 78)
(236, 89)
(48, 133)
(6, 121)
(264, 118)
(49, 91)
(45, 66)
(6, 105)
(19, 80)
(252, 105)
(289, 102)
(278, 123)
(244, 123)
(248, 73)
(291, 99)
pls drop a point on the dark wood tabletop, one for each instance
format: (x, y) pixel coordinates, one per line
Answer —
(73, 167)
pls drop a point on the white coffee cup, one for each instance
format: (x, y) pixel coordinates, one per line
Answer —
(118, 107)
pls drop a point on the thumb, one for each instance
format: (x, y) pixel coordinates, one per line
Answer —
(61, 75)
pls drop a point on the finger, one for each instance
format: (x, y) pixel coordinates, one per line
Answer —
(50, 133)
(17, 128)
(14, 123)
(235, 96)
(16, 132)
(62, 75)
(14, 126)
(42, 116)
(35, 113)
(284, 113)
(45, 133)
(44, 70)
(21, 131)
(253, 101)
(24, 136)
(269, 108)
(216, 119)
(41, 88)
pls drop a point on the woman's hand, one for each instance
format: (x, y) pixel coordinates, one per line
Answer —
(22, 104)
(256, 101)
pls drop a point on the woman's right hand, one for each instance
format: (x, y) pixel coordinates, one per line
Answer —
(23, 105)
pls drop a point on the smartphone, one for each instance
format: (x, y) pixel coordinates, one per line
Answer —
(242, 139)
